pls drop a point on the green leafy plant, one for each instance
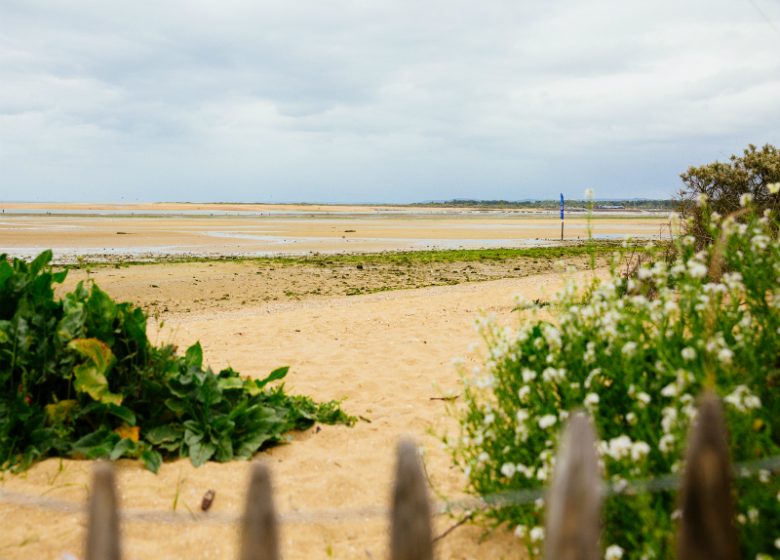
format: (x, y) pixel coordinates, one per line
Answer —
(80, 378)
(636, 351)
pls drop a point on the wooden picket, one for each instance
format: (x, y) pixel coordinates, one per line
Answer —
(574, 500)
(103, 536)
(707, 529)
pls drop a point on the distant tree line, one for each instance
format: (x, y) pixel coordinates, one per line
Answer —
(571, 205)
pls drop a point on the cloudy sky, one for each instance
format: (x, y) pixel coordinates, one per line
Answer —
(371, 101)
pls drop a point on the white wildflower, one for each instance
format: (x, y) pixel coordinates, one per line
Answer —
(643, 398)
(688, 353)
(725, 355)
(483, 457)
(508, 470)
(528, 375)
(745, 199)
(697, 269)
(629, 348)
(668, 419)
(773, 188)
(670, 390)
(527, 472)
(613, 552)
(520, 531)
(632, 419)
(742, 399)
(639, 450)
(701, 200)
(522, 415)
(617, 448)
(537, 534)
(760, 242)
(547, 421)
(591, 399)
(666, 443)
(551, 374)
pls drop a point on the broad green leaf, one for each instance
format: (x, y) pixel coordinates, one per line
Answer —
(91, 375)
(72, 323)
(122, 447)
(252, 445)
(6, 272)
(176, 405)
(192, 436)
(123, 413)
(99, 443)
(162, 434)
(194, 356)
(231, 383)
(101, 314)
(201, 452)
(152, 460)
(59, 412)
(40, 261)
(275, 375)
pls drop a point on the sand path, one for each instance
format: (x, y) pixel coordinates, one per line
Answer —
(384, 354)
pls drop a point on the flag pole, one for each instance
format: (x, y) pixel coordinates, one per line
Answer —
(561, 216)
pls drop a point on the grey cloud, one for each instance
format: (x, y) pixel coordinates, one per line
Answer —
(379, 100)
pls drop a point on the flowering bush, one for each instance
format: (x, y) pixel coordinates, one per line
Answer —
(636, 352)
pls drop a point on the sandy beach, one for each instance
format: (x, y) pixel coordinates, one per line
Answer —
(386, 355)
(379, 335)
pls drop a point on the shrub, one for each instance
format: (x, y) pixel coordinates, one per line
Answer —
(724, 185)
(80, 378)
(636, 352)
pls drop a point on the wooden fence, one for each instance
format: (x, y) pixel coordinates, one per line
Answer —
(706, 529)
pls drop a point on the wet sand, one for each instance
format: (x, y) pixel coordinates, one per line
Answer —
(104, 232)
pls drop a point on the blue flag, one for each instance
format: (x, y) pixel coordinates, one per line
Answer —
(561, 206)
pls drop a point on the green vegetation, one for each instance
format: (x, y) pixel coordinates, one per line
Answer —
(635, 352)
(80, 378)
(725, 187)
(571, 249)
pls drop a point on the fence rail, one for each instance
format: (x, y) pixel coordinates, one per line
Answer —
(706, 529)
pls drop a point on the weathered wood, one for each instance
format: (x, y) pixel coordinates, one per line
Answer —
(410, 525)
(573, 522)
(259, 536)
(707, 529)
(103, 542)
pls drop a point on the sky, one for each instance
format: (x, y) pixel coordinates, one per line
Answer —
(378, 101)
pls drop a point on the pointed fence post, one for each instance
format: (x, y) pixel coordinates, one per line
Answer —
(259, 536)
(103, 541)
(573, 524)
(410, 530)
(707, 529)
